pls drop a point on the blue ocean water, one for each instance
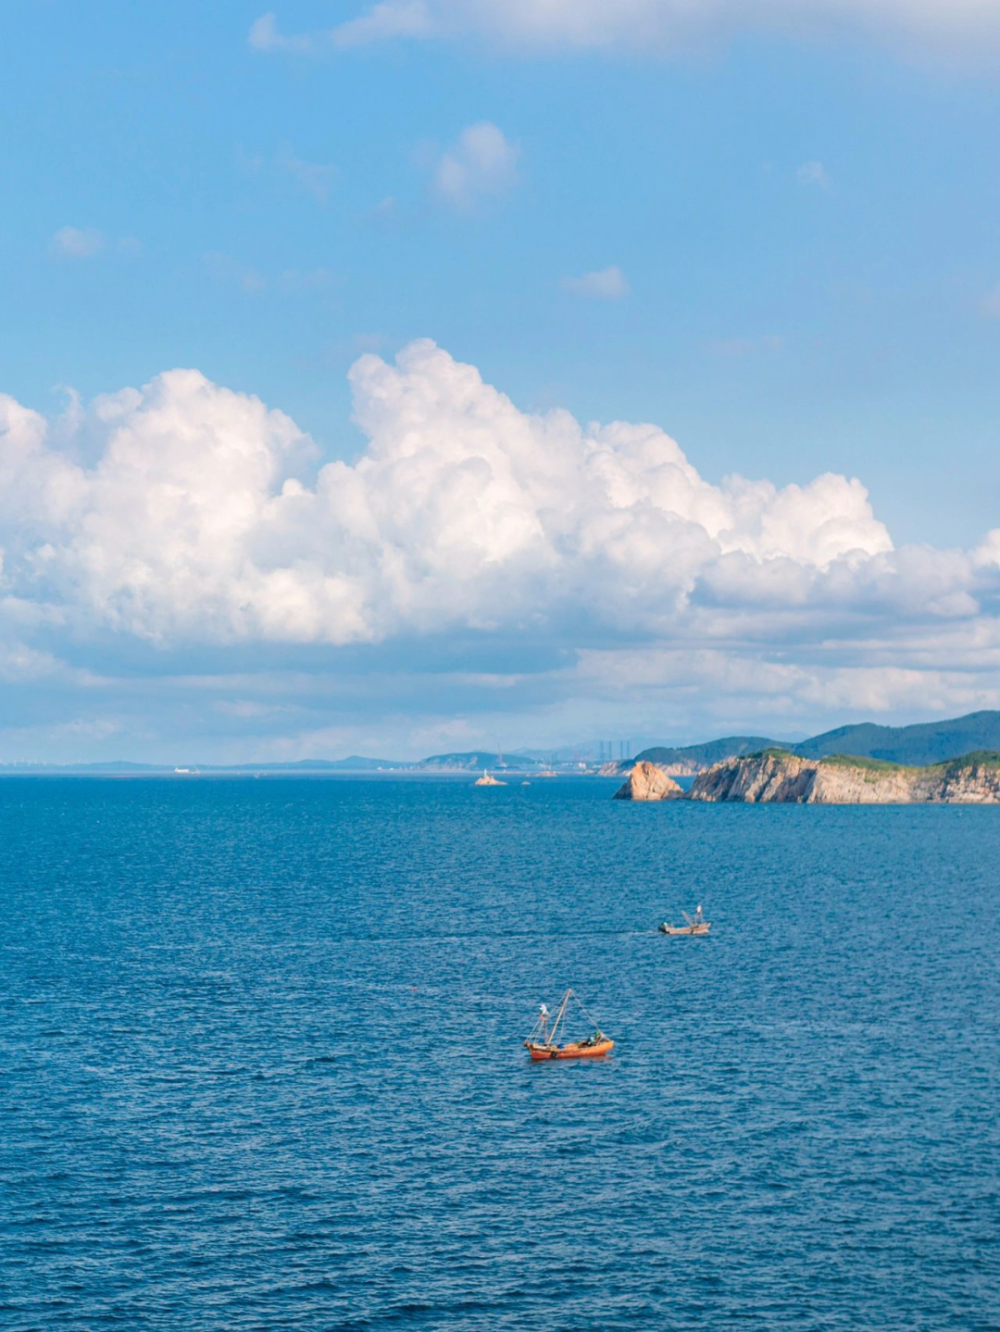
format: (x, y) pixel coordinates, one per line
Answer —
(261, 1062)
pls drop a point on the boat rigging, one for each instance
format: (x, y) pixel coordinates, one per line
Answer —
(696, 924)
(542, 1042)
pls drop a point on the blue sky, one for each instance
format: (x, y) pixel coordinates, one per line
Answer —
(779, 248)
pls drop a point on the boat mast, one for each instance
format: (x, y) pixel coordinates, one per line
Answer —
(559, 1017)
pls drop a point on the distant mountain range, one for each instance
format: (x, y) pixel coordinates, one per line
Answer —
(917, 746)
(353, 764)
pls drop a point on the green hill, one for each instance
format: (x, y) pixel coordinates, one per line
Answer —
(916, 746)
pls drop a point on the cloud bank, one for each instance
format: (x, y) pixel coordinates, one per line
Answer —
(930, 26)
(462, 511)
(202, 517)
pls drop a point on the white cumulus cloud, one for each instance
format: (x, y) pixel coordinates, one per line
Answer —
(607, 284)
(195, 522)
(204, 516)
(813, 173)
(74, 243)
(316, 178)
(480, 163)
(265, 36)
(385, 20)
(932, 27)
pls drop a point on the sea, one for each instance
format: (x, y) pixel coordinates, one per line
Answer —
(262, 1061)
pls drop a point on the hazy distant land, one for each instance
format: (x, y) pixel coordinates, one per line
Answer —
(920, 745)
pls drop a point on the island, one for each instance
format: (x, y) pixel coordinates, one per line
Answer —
(646, 781)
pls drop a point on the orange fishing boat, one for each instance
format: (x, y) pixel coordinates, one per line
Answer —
(542, 1044)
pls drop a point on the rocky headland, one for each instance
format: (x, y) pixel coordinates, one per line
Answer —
(648, 782)
(918, 746)
(777, 776)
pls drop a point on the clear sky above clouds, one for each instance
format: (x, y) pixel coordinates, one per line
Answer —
(440, 373)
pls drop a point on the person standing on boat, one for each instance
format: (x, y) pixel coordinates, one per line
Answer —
(543, 1021)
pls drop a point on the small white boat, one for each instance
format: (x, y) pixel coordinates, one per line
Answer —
(696, 924)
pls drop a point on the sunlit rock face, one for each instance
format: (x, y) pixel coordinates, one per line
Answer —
(648, 782)
(776, 776)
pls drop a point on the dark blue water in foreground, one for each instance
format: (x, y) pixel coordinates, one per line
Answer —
(260, 1061)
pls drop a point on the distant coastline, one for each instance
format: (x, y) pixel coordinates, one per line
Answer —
(920, 745)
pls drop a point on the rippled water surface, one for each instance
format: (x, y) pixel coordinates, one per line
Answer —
(261, 1062)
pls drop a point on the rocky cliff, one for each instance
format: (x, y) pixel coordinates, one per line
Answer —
(648, 782)
(692, 759)
(778, 776)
